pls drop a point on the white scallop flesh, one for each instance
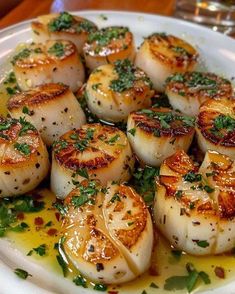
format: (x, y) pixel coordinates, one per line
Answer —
(51, 62)
(24, 159)
(194, 219)
(111, 105)
(51, 108)
(103, 152)
(104, 245)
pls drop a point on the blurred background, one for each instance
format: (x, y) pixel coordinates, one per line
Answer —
(217, 14)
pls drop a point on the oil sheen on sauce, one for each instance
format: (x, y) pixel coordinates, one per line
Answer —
(164, 264)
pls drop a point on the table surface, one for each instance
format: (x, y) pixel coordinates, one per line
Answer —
(32, 8)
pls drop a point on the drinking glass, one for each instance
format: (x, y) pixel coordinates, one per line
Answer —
(217, 14)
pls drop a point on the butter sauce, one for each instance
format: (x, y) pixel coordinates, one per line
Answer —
(164, 264)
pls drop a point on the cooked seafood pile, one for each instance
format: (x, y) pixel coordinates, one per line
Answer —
(93, 99)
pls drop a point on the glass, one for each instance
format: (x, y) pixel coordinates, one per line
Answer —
(217, 14)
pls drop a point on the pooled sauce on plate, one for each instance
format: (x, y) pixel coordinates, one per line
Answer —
(164, 263)
(44, 232)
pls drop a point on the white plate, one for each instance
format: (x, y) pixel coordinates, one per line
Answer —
(217, 55)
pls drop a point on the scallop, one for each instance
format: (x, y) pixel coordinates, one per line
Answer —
(161, 55)
(156, 133)
(113, 91)
(24, 159)
(109, 238)
(62, 26)
(93, 151)
(194, 208)
(51, 62)
(188, 91)
(108, 45)
(216, 126)
(51, 108)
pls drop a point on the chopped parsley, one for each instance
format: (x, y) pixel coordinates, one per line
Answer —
(116, 197)
(132, 131)
(113, 140)
(153, 285)
(202, 243)
(192, 177)
(24, 53)
(62, 22)
(95, 86)
(87, 194)
(23, 148)
(58, 49)
(85, 26)
(225, 122)
(40, 250)
(25, 126)
(22, 273)
(10, 79)
(100, 287)
(126, 76)
(80, 281)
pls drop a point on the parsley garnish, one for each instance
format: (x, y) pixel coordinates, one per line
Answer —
(132, 131)
(100, 287)
(80, 281)
(40, 250)
(113, 140)
(62, 22)
(192, 177)
(25, 126)
(202, 243)
(86, 195)
(23, 148)
(22, 273)
(24, 53)
(57, 49)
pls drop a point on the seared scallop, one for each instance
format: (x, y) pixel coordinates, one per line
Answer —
(23, 157)
(113, 91)
(216, 126)
(108, 45)
(161, 55)
(93, 151)
(188, 91)
(51, 108)
(50, 62)
(63, 26)
(195, 209)
(156, 133)
(109, 238)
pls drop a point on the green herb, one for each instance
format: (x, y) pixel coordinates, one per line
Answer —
(144, 182)
(103, 17)
(78, 201)
(180, 50)
(40, 250)
(62, 264)
(176, 283)
(132, 131)
(20, 228)
(22, 273)
(192, 280)
(202, 243)
(10, 79)
(80, 281)
(113, 140)
(27, 204)
(205, 277)
(23, 148)
(25, 110)
(37, 50)
(12, 90)
(62, 22)
(179, 193)
(192, 177)
(63, 210)
(24, 53)
(48, 224)
(224, 122)
(25, 126)
(179, 78)
(200, 79)
(85, 26)
(153, 285)
(96, 86)
(59, 145)
(5, 125)
(57, 49)
(100, 287)
(144, 292)
(104, 36)
(7, 218)
(115, 197)
(177, 254)
(83, 173)
(208, 189)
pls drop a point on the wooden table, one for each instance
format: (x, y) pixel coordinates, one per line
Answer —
(31, 8)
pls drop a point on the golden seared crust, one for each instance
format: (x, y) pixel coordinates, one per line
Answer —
(180, 162)
(34, 55)
(163, 122)
(221, 174)
(104, 249)
(93, 146)
(108, 41)
(171, 50)
(136, 219)
(216, 121)
(38, 95)
(199, 85)
(19, 141)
